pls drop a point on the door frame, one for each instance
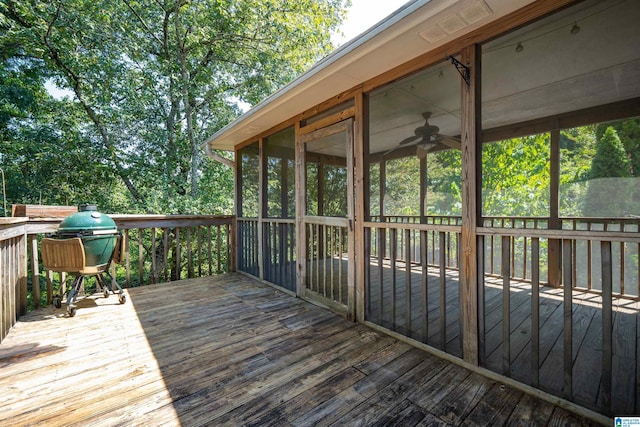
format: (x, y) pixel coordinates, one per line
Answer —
(302, 219)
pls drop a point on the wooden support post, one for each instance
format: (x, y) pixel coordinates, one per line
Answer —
(263, 241)
(383, 191)
(554, 246)
(471, 200)
(237, 242)
(301, 232)
(351, 208)
(362, 245)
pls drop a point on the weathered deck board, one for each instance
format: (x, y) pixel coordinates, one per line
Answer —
(228, 350)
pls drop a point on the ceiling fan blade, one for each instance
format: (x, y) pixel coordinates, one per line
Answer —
(401, 144)
(409, 139)
(449, 141)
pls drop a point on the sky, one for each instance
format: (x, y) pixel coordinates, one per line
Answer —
(363, 14)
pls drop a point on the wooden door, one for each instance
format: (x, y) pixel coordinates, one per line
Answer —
(326, 217)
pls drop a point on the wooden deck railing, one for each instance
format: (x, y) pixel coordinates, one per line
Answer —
(159, 248)
(13, 272)
(572, 332)
(585, 254)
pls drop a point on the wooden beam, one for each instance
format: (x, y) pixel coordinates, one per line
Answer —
(555, 252)
(329, 120)
(301, 211)
(237, 202)
(471, 200)
(351, 244)
(326, 159)
(327, 131)
(218, 158)
(361, 149)
(262, 207)
(602, 113)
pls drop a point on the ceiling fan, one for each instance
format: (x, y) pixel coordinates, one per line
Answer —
(426, 138)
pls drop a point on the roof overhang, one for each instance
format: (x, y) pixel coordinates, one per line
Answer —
(415, 29)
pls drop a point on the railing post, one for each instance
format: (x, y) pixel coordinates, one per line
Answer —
(607, 326)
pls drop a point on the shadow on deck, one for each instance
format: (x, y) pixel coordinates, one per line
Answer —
(227, 350)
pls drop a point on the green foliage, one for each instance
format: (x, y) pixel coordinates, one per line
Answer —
(610, 159)
(402, 193)
(444, 183)
(577, 147)
(515, 177)
(608, 193)
(150, 81)
(629, 133)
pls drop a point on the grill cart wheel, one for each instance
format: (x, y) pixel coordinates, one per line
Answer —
(57, 301)
(122, 298)
(105, 292)
(71, 311)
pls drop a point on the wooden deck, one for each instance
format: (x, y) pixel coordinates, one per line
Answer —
(227, 350)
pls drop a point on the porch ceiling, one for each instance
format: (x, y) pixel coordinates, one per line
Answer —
(417, 28)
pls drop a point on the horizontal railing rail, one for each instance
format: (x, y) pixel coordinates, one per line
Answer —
(158, 248)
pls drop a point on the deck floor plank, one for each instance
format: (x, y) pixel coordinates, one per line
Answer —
(228, 350)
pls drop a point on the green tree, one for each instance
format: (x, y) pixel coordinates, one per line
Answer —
(610, 159)
(516, 176)
(607, 191)
(44, 154)
(154, 78)
(629, 133)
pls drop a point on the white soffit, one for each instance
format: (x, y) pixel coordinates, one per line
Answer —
(414, 29)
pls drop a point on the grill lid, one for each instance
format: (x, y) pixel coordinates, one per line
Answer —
(87, 221)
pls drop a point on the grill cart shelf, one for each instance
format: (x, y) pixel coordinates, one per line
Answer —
(85, 245)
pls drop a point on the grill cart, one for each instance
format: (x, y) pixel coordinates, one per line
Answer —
(85, 245)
